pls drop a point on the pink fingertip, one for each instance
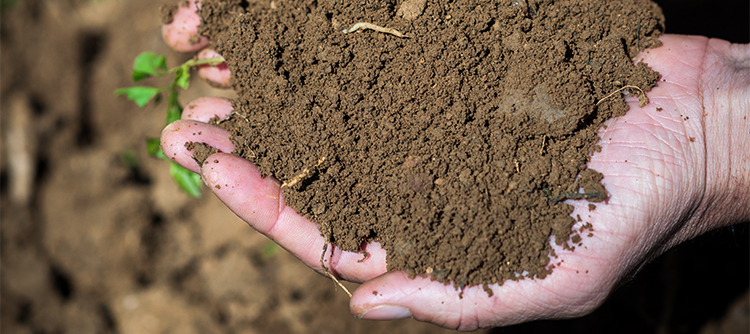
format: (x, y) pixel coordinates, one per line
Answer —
(203, 109)
(175, 135)
(182, 33)
(218, 76)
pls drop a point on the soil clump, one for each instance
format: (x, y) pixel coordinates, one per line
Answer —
(455, 145)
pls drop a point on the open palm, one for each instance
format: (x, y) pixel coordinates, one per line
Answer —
(655, 162)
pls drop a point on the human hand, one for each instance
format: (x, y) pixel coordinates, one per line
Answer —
(673, 170)
(181, 34)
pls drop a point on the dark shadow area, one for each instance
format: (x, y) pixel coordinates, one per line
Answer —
(729, 20)
(90, 45)
(62, 283)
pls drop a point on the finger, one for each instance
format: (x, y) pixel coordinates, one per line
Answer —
(258, 200)
(181, 34)
(580, 281)
(203, 109)
(178, 133)
(219, 75)
(396, 296)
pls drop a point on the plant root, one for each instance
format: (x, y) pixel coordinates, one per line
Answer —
(642, 99)
(365, 25)
(303, 175)
(328, 272)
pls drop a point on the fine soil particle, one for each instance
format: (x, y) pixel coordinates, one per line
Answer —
(454, 147)
(167, 13)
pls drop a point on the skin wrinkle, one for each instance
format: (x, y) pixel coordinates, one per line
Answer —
(730, 162)
(650, 185)
(495, 309)
(662, 137)
(663, 242)
(461, 323)
(700, 82)
(488, 303)
(458, 317)
(279, 212)
(742, 72)
(406, 292)
(654, 237)
(538, 304)
(581, 307)
(476, 319)
(702, 69)
(443, 319)
(558, 296)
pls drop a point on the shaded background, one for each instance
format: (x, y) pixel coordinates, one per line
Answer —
(95, 237)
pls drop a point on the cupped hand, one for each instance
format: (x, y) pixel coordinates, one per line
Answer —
(666, 166)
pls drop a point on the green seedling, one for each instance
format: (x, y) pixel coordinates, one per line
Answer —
(270, 249)
(149, 64)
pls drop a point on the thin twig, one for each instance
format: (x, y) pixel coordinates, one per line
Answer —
(328, 272)
(642, 98)
(303, 175)
(365, 25)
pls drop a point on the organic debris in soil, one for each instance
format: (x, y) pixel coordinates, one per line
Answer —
(454, 145)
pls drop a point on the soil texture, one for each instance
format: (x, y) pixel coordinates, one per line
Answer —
(450, 132)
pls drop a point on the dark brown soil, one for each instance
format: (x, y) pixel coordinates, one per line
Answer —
(453, 146)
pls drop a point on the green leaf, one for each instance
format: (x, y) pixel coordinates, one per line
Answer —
(182, 77)
(174, 109)
(139, 94)
(147, 64)
(188, 181)
(174, 113)
(153, 147)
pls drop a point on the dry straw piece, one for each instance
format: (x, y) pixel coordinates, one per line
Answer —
(365, 26)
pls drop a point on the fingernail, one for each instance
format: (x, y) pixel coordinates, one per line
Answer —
(386, 312)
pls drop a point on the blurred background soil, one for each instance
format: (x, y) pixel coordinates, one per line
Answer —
(96, 238)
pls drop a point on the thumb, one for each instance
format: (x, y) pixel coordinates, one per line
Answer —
(396, 296)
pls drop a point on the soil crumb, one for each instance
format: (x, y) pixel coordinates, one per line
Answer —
(167, 13)
(454, 148)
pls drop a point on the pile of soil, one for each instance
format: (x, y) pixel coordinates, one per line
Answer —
(452, 137)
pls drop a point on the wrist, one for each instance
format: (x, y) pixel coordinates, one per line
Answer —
(725, 87)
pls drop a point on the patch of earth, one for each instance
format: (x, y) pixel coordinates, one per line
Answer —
(451, 133)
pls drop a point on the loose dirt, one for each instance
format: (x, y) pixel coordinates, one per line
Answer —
(453, 145)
